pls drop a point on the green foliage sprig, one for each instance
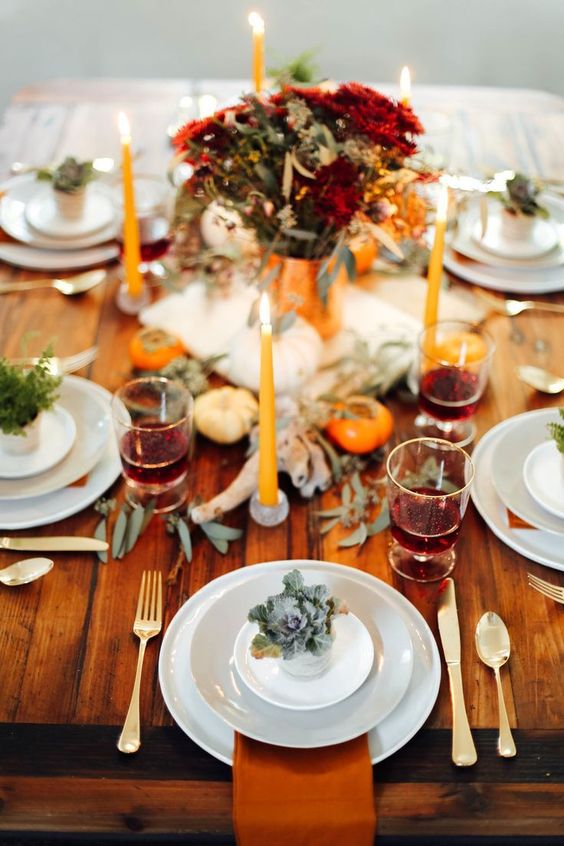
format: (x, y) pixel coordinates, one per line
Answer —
(219, 535)
(358, 501)
(557, 432)
(520, 197)
(130, 524)
(71, 176)
(24, 392)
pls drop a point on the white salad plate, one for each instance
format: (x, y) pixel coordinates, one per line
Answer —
(89, 405)
(350, 660)
(526, 431)
(18, 192)
(543, 238)
(466, 244)
(212, 733)
(47, 509)
(543, 474)
(57, 432)
(22, 255)
(42, 214)
(542, 547)
(212, 664)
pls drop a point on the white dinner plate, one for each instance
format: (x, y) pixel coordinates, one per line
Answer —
(522, 434)
(18, 192)
(350, 660)
(539, 546)
(57, 431)
(212, 664)
(463, 242)
(538, 281)
(543, 475)
(210, 732)
(47, 509)
(42, 214)
(89, 405)
(22, 255)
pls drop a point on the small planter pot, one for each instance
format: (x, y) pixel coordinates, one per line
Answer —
(22, 444)
(517, 227)
(70, 206)
(306, 666)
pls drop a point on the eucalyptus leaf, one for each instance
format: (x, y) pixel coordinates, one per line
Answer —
(331, 512)
(220, 532)
(299, 234)
(357, 485)
(120, 529)
(350, 264)
(329, 525)
(357, 537)
(185, 539)
(286, 322)
(220, 544)
(346, 494)
(134, 525)
(100, 534)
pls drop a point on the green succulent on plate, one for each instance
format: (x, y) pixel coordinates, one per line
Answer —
(71, 176)
(296, 621)
(520, 196)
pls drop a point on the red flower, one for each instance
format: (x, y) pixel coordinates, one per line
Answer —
(335, 194)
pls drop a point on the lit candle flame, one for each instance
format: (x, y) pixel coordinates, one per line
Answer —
(442, 201)
(264, 309)
(124, 128)
(256, 22)
(405, 85)
(207, 104)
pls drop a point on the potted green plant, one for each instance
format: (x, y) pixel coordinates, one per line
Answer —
(69, 181)
(521, 209)
(25, 392)
(295, 625)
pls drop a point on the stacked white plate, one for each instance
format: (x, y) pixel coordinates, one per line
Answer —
(47, 241)
(77, 440)
(384, 681)
(519, 468)
(533, 266)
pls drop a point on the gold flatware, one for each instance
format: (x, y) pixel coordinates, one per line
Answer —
(54, 544)
(70, 286)
(511, 308)
(58, 366)
(463, 749)
(540, 379)
(546, 588)
(26, 571)
(147, 624)
(493, 647)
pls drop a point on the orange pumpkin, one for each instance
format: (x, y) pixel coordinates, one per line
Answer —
(368, 428)
(151, 349)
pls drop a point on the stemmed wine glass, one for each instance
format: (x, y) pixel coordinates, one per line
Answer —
(428, 488)
(454, 362)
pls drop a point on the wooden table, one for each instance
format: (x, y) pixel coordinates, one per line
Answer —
(67, 650)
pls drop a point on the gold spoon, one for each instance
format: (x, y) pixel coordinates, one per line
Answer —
(539, 379)
(23, 572)
(72, 285)
(493, 646)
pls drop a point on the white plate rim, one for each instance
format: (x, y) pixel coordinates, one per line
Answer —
(426, 657)
(49, 482)
(242, 642)
(481, 274)
(517, 542)
(34, 258)
(66, 420)
(544, 446)
(39, 198)
(463, 243)
(533, 513)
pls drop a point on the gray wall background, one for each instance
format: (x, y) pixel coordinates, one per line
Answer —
(484, 42)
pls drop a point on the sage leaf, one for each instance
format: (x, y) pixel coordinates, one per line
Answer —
(357, 485)
(331, 512)
(100, 534)
(185, 539)
(350, 264)
(329, 525)
(221, 532)
(134, 525)
(382, 521)
(118, 537)
(357, 537)
(221, 545)
(346, 494)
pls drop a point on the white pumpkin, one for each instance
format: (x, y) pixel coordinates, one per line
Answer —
(225, 415)
(296, 355)
(220, 226)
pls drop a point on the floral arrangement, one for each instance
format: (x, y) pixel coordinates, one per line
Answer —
(71, 176)
(25, 392)
(520, 197)
(304, 168)
(296, 621)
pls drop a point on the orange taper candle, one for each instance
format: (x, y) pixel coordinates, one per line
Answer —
(435, 271)
(131, 248)
(257, 25)
(268, 473)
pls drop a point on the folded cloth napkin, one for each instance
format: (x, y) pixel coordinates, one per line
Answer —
(303, 797)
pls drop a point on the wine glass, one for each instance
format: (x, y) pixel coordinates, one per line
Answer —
(428, 483)
(454, 362)
(153, 212)
(153, 424)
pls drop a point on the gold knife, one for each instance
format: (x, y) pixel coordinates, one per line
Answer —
(463, 749)
(60, 544)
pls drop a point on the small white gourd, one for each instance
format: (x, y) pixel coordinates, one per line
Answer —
(225, 415)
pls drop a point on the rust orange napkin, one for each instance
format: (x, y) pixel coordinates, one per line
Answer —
(303, 797)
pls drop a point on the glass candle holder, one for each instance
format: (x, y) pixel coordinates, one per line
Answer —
(454, 359)
(153, 423)
(428, 489)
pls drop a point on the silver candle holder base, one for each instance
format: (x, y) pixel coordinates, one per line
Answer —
(132, 305)
(269, 515)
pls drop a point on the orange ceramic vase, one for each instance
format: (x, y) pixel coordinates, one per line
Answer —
(295, 288)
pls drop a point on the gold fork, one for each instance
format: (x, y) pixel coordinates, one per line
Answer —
(67, 364)
(551, 591)
(511, 308)
(147, 624)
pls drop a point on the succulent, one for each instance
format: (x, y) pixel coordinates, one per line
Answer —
(71, 176)
(296, 621)
(520, 196)
(557, 432)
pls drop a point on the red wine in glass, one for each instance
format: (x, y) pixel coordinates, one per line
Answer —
(425, 526)
(155, 455)
(449, 393)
